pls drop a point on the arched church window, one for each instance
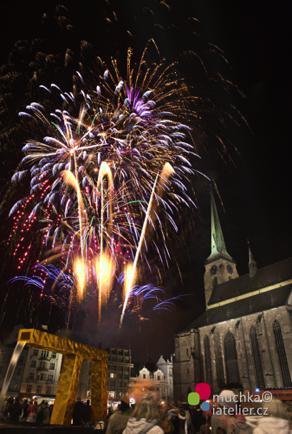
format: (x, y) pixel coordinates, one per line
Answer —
(260, 382)
(208, 362)
(219, 361)
(231, 362)
(282, 353)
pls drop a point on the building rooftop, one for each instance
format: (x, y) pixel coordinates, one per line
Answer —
(266, 276)
(268, 289)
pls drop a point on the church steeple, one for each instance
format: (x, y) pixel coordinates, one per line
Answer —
(218, 247)
(220, 266)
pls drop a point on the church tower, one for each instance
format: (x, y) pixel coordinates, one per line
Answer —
(220, 266)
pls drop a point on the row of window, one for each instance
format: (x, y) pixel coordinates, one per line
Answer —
(39, 389)
(40, 377)
(231, 361)
(157, 378)
(119, 351)
(115, 358)
(221, 267)
(42, 364)
(44, 354)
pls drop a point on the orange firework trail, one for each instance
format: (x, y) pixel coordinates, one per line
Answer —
(105, 272)
(79, 272)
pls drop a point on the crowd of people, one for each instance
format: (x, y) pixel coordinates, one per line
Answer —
(152, 416)
(18, 410)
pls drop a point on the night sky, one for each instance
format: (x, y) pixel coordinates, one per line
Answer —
(255, 189)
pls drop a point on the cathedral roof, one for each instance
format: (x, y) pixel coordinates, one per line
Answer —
(268, 289)
(241, 308)
(266, 276)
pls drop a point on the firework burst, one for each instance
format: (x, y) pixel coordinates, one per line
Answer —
(108, 167)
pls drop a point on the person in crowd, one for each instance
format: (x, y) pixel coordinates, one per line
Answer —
(173, 413)
(15, 410)
(197, 419)
(275, 422)
(225, 415)
(78, 413)
(43, 414)
(118, 420)
(47, 415)
(8, 408)
(145, 418)
(32, 411)
(181, 419)
(87, 413)
(188, 420)
(39, 416)
(51, 407)
(24, 410)
(166, 417)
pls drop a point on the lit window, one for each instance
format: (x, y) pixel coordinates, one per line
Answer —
(112, 375)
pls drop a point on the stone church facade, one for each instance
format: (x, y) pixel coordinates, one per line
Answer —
(244, 337)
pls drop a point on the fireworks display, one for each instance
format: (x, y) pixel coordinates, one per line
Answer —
(108, 164)
(107, 168)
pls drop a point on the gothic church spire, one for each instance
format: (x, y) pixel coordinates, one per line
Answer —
(218, 247)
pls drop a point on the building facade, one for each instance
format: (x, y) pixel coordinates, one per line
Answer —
(120, 366)
(41, 372)
(162, 375)
(244, 337)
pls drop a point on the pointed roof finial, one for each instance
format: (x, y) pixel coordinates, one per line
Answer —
(218, 247)
(252, 265)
